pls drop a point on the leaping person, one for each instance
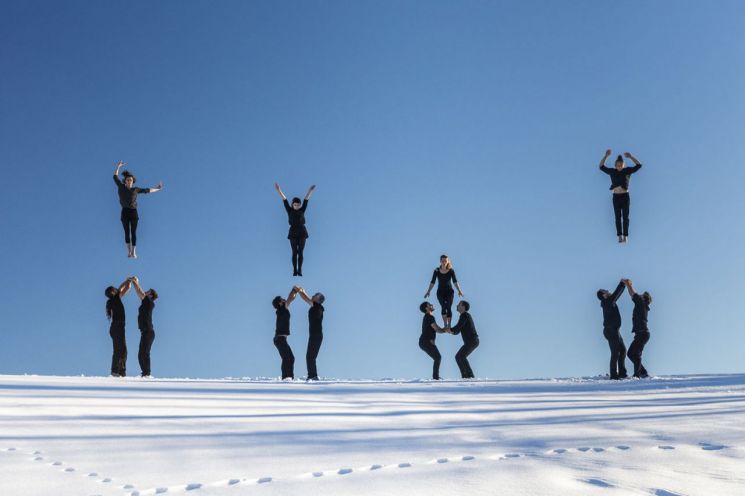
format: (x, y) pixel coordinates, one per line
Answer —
(444, 274)
(298, 233)
(620, 176)
(128, 200)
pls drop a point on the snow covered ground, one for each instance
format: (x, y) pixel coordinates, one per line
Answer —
(86, 436)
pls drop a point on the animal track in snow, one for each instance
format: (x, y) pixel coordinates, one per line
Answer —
(583, 449)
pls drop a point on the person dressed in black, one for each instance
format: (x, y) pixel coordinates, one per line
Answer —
(145, 323)
(620, 177)
(640, 328)
(612, 331)
(115, 314)
(315, 330)
(128, 200)
(445, 277)
(298, 233)
(427, 339)
(282, 331)
(466, 328)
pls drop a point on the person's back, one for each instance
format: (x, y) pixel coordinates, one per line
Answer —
(465, 327)
(640, 315)
(145, 313)
(611, 314)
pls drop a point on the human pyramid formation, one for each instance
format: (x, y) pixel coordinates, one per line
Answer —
(444, 276)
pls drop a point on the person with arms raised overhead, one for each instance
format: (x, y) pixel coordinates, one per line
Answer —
(145, 323)
(427, 339)
(128, 201)
(620, 176)
(444, 274)
(640, 328)
(282, 331)
(612, 330)
(115, 314)
(315, 330)
(298, 233)
(466, 328)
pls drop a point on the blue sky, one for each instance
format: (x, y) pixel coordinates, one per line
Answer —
(467, 128)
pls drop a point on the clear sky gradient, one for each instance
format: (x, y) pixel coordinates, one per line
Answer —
(467, 128)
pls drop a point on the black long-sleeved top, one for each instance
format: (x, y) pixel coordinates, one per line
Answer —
(620, 177)
(611, 315)
(296, 219)
(145, 314)
(428, 332)
(444, 280)
(283, 322)
(639, 318)
(128, 196)
(465, 327)
(315, 318)
(117, 309)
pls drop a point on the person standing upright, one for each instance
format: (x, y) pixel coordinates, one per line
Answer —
(315, 330)
(427, 339)
(298, 233)
(612, 330)
(281, 333)
(620, 176)
(145, 323)
(115, 314)
(640, 328)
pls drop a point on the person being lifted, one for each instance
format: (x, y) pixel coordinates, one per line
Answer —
(444, 274)
(298, 233)
(620, 176)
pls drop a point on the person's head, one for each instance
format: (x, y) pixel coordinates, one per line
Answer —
(603, 294)
(619, 163)
(426, 307)
(111, 292)
(296, 203)
(152, 294)
(463, 306)
(445, 262)
(278, 302)
(647, 298)
(318, 298)
(129, 179)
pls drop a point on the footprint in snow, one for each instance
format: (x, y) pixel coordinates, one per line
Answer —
(711, 447)
(231, 482)
(442, 460)
(161, 490)
(264, 480)
(623, 447)
(599, 483)
(106, 480)
(317, 474)
(376, 467)
(666, 447)
(512, 455)
(38, 458)
(128, 486)
(344, 471)
(56, 464)
(36, 453)
(468, 458)
(404, 465)
(69, 469)
(583, 450)
(193, 486)
(93, 474)
(598, 450)
(560, 451)
(664, 492)
(10, 449)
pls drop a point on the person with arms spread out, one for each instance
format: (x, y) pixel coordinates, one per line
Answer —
(620, 176)
(298, 233)
(128, 201)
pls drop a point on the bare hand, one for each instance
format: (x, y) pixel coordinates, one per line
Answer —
(608, 152)
(312, 187)
(276, 186)
(460, 294)
(627, 155)
(160, 185)
(427, 295)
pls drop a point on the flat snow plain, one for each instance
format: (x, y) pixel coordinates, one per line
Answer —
(682, 435)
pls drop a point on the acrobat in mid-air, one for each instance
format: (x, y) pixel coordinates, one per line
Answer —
(620, 176)
(298, 233)
(443, 275)
(128, 200)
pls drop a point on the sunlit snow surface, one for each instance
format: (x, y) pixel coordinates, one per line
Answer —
(87, 436)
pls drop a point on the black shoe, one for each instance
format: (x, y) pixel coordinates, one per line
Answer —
(314, 378)
(294, 273)
(300, 273)
(624, 376)
(115, 374)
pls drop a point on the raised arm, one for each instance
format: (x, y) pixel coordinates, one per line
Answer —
(637, 164)
(124, 287)
(279, 190)
(307, 299)
(292, 295)
(119, 165)
(602, 161)
(629, 287)
(617, 293)
(310, 192)
(138, 288)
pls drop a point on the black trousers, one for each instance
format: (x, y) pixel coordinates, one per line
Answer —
(617, 352)
(129, 220)
(314, 346)
(298, 245)
(430, 349)
(461, 358)
(621, 205)
(446, 302)
(635, 352)
(288, 359)
(147, 336)
(119, 357)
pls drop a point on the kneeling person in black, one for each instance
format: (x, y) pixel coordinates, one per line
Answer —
(427, 339)
(640, 328)
(315, 330)
(282, 330)
(145, 323)
(466, 328)
(612, 330)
